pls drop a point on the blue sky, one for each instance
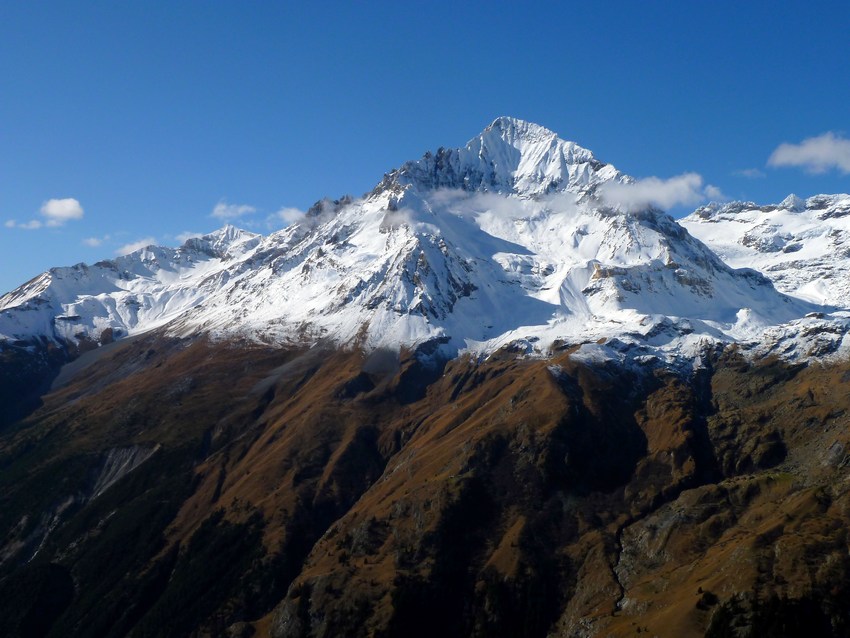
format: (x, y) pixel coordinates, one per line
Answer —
(150, 115)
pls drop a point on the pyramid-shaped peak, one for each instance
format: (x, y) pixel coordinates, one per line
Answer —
(527, 137)
(793, 203)
(227, 236)
(512, 128)
(229, 232)
(509, 156)
(223, 241)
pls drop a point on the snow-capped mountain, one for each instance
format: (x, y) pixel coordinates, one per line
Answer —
(133, 293)
(803, 246)
(502, 241)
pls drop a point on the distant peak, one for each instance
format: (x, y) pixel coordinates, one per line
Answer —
(793, 203)
(837, 205)
(230, 232)
(224, 240)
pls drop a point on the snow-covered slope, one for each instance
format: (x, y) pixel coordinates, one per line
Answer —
(134, 293)
(803, 246)
(502, 241)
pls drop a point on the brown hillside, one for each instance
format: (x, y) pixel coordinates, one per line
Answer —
(197, 488)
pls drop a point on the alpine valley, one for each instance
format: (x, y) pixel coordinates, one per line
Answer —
(484, 399)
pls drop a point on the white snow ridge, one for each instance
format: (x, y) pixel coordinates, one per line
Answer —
(503, 241)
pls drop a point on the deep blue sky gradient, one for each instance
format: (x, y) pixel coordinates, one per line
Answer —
(150, 113)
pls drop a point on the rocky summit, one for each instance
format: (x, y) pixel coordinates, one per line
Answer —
(482, 399)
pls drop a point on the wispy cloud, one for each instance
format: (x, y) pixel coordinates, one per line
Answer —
(182, 237)
(225, 211)
(33, 224)
(463, 203)
(55, 211)
(132, 247)
(685, 189)
(288, 215)
(94, 242)
(322, 211)
(750, 173)
(815, 154)
(396, 218)
(714, 193)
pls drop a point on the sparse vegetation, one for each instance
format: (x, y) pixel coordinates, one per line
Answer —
(496, 499)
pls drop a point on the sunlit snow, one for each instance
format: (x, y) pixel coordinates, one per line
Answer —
(501, 242)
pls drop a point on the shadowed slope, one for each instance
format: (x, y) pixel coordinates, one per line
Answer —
(188, 486)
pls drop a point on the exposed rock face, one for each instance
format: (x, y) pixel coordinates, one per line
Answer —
(185, 487)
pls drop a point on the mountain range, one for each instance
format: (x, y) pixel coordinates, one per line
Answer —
(483, 399)
(507, 240)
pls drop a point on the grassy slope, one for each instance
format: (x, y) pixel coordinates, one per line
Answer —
(323, 493)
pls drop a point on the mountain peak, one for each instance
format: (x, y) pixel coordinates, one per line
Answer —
(512, 129)
(793, 203)
(227, 239)
(510, 156)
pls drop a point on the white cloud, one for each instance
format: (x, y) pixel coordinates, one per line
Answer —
(33, 224)
(94, 242)
(814, 154)
(396, 218)
(714, 193)
(289, 215)
(59, 211)
(685, 189)
(463, 203)
(132, 247)
(498, 207)
(322, 211)
(750, 173)
(226, 211)
(182, 237)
